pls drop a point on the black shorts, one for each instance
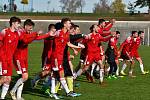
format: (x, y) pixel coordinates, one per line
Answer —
(124, 56)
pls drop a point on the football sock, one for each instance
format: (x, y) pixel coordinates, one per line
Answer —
(64, 84)
(57, 87)
(53, 85)
(5, 88)
(19, 91)
(101, 75)
(19, 82)
(70, 82)
(124, 67)
(142, 68)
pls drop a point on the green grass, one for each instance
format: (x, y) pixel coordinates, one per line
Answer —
(121, 89)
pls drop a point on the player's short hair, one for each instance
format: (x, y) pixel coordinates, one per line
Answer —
(91, 28)
(14, 19)
(28, 22)
(76, 26)
(50, 26)
(133, 32)
(59, 26)
(100, 21)
(117, 32)
(72, 25)
(140, 32)
(64, 20)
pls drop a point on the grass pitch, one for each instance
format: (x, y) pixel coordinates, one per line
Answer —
(121, 89)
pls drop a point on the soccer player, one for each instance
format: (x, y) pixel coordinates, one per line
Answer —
(134, 50)
(112, 55)
(21, 56)
(9, 40)
(48, 43)
(93, 51)
(104, 30)
(60, 42)
(125, 50)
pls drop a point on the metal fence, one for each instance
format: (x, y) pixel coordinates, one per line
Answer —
(125, 27)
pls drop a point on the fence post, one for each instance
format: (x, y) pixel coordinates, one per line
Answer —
(148, 36)
(144, 38)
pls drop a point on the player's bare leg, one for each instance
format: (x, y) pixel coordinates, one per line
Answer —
(19, 87)
(124, 65)
(100, 63)
(131, 68)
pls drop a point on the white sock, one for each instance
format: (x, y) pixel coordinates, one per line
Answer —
(130, 72)
(117, 71)
(124, 67)
(79, 72)
(97, 68)
(53, 85)
(142, 67)
(108, 69)
(64, 84)
(19, 82)
(93, 66)
(101, 75)
(19, 91)
(5, 88)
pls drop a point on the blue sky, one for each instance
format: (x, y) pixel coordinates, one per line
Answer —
(42, 5)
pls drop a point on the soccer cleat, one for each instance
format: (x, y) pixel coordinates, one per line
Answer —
(77, 94)
(20, 98)
(123, 73)
(131, 75)
(55, 96)
(13, 95)
(47, 92)
(109, 77)
(102, 84)
(145, 72)
(71, 94)
(114, 77)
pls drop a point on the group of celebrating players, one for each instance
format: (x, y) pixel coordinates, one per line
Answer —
(56, 58)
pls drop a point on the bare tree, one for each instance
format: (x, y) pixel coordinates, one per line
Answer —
(101, 7)
(70, 6)
(81, 4)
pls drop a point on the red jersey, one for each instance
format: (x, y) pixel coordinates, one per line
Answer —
(93, 42)
(126, 45)
(60, 42)
(47, 49)
(106, 29)
(9, 43)
(25, 39)
(22, 48)
(134, 47)
(135, 44)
